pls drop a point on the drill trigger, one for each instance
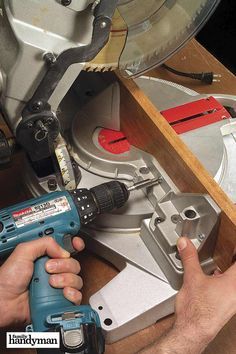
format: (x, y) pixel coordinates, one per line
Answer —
(67, 244)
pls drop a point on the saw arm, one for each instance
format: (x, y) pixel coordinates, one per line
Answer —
(39, 126)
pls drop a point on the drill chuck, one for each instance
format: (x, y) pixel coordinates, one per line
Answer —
(99, 200)
(109, 196)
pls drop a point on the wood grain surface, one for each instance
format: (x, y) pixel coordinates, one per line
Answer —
(95, 271)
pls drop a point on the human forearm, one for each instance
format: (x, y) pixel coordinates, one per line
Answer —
(178, 341)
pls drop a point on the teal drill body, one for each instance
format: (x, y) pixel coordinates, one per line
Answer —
(52, 214)
(59, 215)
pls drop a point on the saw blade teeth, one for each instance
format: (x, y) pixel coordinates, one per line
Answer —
(108, 58)
(99, 68)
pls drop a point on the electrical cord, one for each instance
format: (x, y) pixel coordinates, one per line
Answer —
(205, 77)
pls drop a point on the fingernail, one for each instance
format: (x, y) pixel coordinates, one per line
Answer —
(51, 266)
(181, 243)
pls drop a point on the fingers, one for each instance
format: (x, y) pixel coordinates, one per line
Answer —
(37, 248)
(78, 244)
(66, 280)
(72, 295)
(45, 246)
(68, 265)
(189, 257)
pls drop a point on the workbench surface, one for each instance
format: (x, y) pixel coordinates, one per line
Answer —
(96, 272)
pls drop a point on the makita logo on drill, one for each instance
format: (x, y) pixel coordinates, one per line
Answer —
(33, 340)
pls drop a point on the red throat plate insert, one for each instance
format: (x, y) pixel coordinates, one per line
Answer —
(113, 141)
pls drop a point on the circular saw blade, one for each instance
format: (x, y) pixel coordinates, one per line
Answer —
(164, 29)
(145, 34)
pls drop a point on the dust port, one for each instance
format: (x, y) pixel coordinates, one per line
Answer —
(190, 214)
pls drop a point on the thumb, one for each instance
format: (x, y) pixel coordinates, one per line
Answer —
(189, 257)
(32, 250)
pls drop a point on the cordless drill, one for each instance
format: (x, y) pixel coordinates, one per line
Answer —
(61, 215)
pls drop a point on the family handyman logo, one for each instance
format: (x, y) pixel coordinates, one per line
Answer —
(33, 340)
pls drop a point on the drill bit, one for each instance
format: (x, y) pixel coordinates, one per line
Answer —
(145, 183)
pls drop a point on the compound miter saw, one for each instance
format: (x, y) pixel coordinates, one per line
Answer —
(65, 117)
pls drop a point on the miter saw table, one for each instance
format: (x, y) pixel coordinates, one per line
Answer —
(95, 271)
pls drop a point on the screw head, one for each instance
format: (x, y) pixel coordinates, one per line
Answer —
(158, 220)
(49, 58)
(36, 106)
(103, 24)
(201, 237)
(144, 170)
(52, 184)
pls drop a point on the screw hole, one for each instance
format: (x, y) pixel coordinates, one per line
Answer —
(175, 218)
(144, 170)
(100, 308)
(72, 224)
(158, 220)
(190, 214)
(107, 321)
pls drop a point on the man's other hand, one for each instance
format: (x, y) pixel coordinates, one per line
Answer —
(205, 303)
